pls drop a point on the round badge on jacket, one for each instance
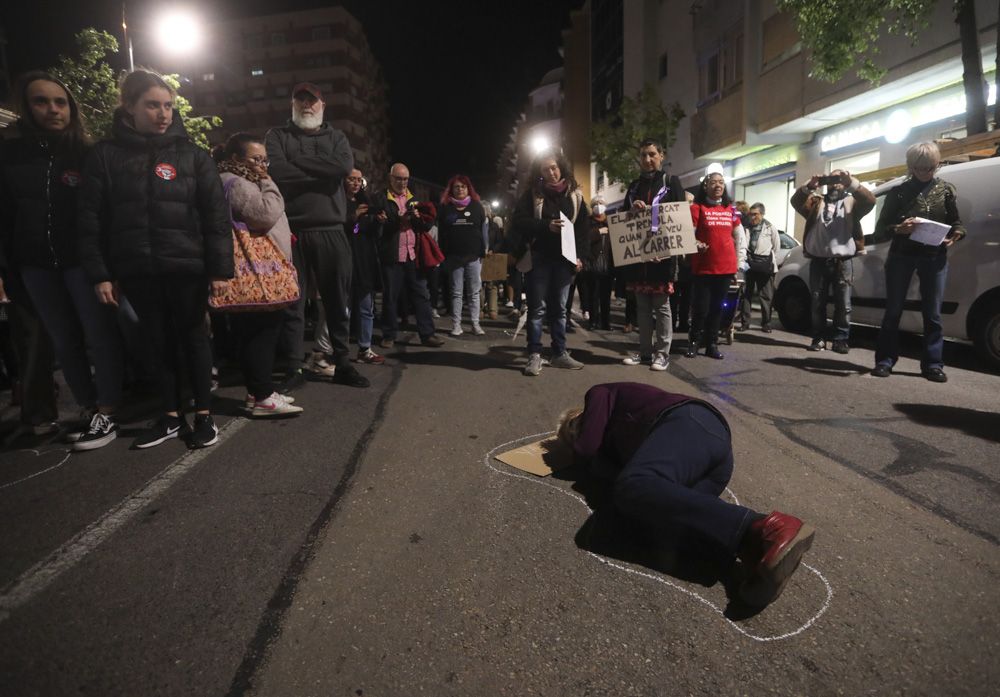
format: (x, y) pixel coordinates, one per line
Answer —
(70, 178)
(165, 171)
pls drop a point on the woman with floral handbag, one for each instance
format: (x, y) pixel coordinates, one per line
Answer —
(265, 279)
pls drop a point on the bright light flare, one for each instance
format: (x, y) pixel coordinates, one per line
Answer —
(540, 144)
(179, 31)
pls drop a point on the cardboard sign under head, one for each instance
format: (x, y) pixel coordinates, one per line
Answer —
(633, 240)
(542, 458)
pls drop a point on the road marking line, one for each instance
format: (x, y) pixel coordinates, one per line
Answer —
(36, 579)
(659, 578)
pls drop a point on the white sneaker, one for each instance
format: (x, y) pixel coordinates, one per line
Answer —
(435, 314)
(564, 360)
(456, 331)
(509, 303)
(250, 401)
(534, 366)
(318, 365)
(632, 359)
(275, 405)
(477, 330)
(660, 362)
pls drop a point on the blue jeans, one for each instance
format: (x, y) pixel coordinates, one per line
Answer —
(675, 477)
(826, 277)
(548, 289)
(76, 321)
(366, 320)
(469, 274)
(932, 272)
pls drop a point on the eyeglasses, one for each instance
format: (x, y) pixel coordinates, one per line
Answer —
(399, 179)
(930, 169)
(260, 161)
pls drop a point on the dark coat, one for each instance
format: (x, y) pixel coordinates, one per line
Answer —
(618, 416)
(460, 232)
(152, 205)
(388, 235)
(363, 233)
(39, 182)
(645, 188)
(531, 230)
(597, 244)
(309, 169)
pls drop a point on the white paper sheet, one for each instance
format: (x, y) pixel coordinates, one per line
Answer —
(929, 232)
(568, 238)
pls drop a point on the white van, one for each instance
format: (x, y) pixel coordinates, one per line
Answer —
(971, 307)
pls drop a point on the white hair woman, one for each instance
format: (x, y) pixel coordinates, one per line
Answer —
(926, 196)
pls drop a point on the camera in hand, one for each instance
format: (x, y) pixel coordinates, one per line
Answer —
(829, 179)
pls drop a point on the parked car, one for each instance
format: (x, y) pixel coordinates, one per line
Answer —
(788, 243)
(971, 307)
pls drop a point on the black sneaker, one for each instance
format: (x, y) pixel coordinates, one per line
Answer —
(840, 346)
(935, 375)
(293, 381)
(165, 428)
(347, 374)
(102, 430)
(204, 433)
(882, 370)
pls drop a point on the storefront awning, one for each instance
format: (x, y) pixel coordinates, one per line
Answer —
(970, 148)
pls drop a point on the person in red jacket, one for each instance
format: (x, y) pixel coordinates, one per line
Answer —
(671, 457)
(718, 231)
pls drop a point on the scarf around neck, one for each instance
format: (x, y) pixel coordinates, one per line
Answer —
(240, 170)
(558, 188)
(460, 202)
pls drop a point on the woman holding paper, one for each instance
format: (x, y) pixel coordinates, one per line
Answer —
(910, 208)
(550, 223)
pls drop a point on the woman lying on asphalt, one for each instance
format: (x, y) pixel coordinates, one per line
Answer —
(672, 456)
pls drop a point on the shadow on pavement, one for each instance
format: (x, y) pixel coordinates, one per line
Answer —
(766, 340)
(978, 424)
(821, 366)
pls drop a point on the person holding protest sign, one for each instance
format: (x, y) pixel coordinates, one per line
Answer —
(671, 456)
(552, 202)
(718, 231)
(652, 281)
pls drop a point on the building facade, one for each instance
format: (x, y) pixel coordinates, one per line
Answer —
(740, 73)
(248, 76)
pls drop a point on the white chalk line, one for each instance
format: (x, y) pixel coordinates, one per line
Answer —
(41, 575)
(38, 453)
(659, 578)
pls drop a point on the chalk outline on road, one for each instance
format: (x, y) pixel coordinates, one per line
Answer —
(36, 579)
(487, 460)
(38, 453)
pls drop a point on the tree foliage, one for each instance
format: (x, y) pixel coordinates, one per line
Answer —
(615, 141)
(844, 34)
(94, 83)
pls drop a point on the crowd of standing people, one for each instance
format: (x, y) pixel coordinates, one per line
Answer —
(111, 255)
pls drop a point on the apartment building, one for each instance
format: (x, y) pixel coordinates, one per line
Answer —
(247, 78)
(739, 71)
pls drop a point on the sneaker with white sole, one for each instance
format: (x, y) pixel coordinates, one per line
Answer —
(634, 359)
(534, 366)
(102, 431)
(275, 405)
(163, 429)
(478, 331)
(204, 433)
(250, 401)
(565, 361)
(660, 362)
(319, 366)
(370, 357)
(456, 331)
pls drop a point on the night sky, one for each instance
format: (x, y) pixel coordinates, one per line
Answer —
(458, 73)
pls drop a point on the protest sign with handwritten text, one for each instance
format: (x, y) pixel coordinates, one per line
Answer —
(633, 239)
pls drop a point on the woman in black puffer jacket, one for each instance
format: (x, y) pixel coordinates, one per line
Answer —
(154, 222)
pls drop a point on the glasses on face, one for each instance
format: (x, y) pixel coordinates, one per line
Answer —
(929, 169)
(399, 179)
(260, 161)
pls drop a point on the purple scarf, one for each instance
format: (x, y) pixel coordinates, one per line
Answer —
(460, 202)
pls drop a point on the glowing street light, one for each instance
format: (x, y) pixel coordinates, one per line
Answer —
(540, 144)
(178, 31)
(495, 203)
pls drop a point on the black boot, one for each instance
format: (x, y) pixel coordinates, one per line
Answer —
(713, 352)
(692, 349)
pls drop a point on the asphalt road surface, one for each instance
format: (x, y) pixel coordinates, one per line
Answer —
(375, 547)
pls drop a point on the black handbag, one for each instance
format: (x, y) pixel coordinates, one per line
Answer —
(760, 263)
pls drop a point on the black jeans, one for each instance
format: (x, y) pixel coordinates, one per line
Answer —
(327, 255)
(762, 284)
(257, 334)
(291, 339)
(35, 361)
(171, 312)
(708, 292)
(397, 278)
(599, 288)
